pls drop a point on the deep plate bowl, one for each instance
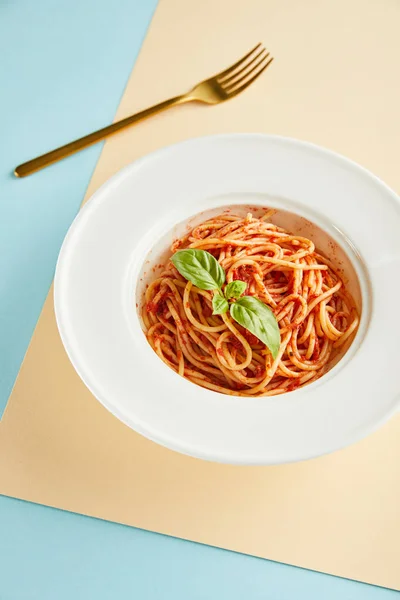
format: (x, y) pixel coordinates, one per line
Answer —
(130, 220)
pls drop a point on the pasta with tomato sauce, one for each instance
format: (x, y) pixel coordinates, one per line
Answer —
(303, 289)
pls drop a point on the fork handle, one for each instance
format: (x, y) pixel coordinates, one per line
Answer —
(55, 155)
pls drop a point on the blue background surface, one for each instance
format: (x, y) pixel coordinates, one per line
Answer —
(63, 68)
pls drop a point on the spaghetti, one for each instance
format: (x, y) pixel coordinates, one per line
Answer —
(316, 315)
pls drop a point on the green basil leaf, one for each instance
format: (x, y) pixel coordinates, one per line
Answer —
(235, 289)
(255, 316)
(199, 267)
(219, 304)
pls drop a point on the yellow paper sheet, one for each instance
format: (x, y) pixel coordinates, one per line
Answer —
(334, 82)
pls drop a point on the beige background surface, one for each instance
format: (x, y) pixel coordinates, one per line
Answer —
(334, 82)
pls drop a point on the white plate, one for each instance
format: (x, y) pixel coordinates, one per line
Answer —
(101, 263)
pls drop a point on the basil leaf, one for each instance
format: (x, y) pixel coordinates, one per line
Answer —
(255, 316)
(219, 304)
(199, 267)
(235, 289)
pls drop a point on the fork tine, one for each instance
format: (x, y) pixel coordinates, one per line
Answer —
(244, 77)
(238, 77)
(237, 90)
(237, 64)
(227, 79)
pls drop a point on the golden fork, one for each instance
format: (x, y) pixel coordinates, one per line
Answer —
(221, 87)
